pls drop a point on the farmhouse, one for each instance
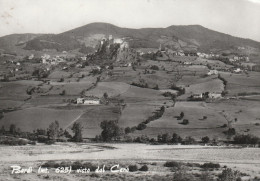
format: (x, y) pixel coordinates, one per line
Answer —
(196, 96)
(238, 70)
(212, 72)
(31, 57)
(187, 63)
(214, 95)
(88, 101)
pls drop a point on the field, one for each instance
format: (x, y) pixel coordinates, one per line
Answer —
(111, 88)
(242, 83)
(197, 127)
(38, 118)
(93, 116)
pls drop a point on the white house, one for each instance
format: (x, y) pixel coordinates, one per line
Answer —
(91, 101)
(80, 100)
(88, 101)
(187, 63)
(83, 58)
(196, 96)
(215, 95)
(118, 40)
(238, 70)
(212, 72)
(31, 57)
(124, 45)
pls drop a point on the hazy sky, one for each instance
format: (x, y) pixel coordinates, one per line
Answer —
(236, 17)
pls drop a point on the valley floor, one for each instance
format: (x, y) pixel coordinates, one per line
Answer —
(246, 160)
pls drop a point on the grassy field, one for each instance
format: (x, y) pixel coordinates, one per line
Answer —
(38, 118)
(197, 127)
(213, 85)
(111, 88)
(93, 116)
(242, 83)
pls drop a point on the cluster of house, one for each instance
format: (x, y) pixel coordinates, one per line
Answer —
(206, 55)
(210, 95)
(88, 101)
(237, 70)
(47, 59)
(212, 72)
(239, 59)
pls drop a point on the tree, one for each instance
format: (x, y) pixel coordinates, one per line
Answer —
(189, 140)
(105, 95)
(53, 130)
(12, 129)
(156, 87)
(127, 130)
(185, 121)
(141, 126)
(166, 138)
(111, 130)
(176, 138)
(63, 93)
(205, 139)
(181, 115)
(77, 130)
(2, 131)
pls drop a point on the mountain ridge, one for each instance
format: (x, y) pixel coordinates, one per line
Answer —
(176, 37)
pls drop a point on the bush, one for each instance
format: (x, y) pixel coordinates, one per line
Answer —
(246, 139)
(205, 139)
(173, 164)
(50, 142)
(185, 122)
(141, 126)
(133, 168)
(127, 130)
(210, 165)
(144, 168)
(230, 132)
(154, 67)
(50, 164)
(182, 175)
(229, 175)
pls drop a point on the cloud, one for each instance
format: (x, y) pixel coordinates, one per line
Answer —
(254, 1)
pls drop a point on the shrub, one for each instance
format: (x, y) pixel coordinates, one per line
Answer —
(181, 115)
(189, 140)
(210, 165)
(22, 142)
(154, 67)
(173, 164)
(205, 139)
(182, 175)
(127, 130)
(141, 126)
(246, 139)
(76, 165)
(176, 138)
(50, 164)
(133, 168)
(144, 168)
(185, 121)
(229, 175)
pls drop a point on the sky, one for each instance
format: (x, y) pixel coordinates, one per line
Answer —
(239, 18)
